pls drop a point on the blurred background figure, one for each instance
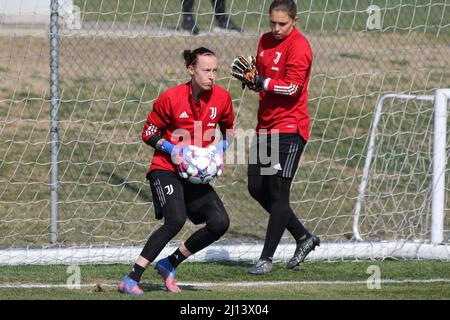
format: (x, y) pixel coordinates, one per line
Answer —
(223, 21)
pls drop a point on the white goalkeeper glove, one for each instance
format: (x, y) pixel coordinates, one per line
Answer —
(218, 158)
(179, 157)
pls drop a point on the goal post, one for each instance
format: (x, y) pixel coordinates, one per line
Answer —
(440, 159)
(441, 100)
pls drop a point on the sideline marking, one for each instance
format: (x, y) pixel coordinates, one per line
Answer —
(231, 284)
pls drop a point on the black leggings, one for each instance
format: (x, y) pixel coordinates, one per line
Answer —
(199, 203)
(217, 224)
(272, 193)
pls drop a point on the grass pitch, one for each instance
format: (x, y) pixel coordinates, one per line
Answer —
(399, 280)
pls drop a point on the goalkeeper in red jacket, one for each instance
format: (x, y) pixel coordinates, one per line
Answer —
(280, 73)
(190, 112)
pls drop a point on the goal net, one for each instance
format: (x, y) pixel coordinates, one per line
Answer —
(115, 57)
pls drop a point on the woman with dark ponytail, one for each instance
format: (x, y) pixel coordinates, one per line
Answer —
(181, 111)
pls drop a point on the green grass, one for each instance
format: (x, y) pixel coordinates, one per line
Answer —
(401, 62)
(108, 276)
(397, 15)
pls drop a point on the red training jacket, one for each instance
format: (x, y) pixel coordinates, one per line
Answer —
(287, 65)
(177, 118)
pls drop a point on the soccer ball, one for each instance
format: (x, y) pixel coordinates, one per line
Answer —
(203, 164)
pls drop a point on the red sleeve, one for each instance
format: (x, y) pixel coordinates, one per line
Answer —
(226, 122)
(157, 119)
(297, 69)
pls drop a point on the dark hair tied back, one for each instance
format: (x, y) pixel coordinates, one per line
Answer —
(287, 6)
(191, 57)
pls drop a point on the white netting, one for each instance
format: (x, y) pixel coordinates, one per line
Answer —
(398, 194)
(117, 56)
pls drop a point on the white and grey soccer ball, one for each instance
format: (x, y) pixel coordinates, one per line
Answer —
(203, 165)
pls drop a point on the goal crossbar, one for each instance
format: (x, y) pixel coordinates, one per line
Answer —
(328, 251)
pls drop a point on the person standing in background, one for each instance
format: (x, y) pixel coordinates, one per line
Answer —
(223, 21)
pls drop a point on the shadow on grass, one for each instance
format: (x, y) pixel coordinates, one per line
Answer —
(152, 287)
(118, 180)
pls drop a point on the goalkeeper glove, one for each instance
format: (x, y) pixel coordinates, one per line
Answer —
(218, 155)
(179, 157)
(245, 71)
(166, 146)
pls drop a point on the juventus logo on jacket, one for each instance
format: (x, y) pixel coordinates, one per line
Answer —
(213, 112)
(278, 57)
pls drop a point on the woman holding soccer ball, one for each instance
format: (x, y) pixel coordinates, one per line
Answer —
(280, 74)
(184, 118)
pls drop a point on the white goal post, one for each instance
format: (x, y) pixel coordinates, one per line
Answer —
(439, 156)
